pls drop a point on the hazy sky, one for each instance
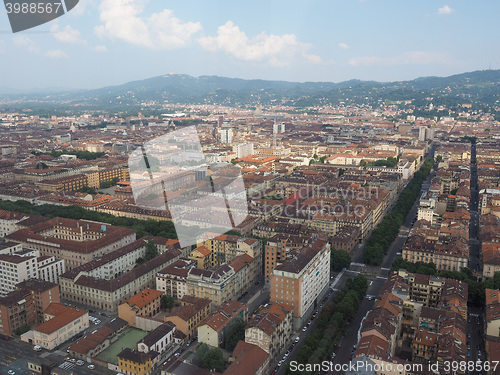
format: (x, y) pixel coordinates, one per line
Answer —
(109, 42)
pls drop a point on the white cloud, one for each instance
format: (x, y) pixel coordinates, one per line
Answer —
(444, 10)
(81, 8)
(31, 46)
(67, 35)
(24, 41)
(344, 46)
(407, 58)
(274, 49)
(121, 20)
(56, 54)
(100, 49)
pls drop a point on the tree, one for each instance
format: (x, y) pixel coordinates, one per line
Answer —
(201, 350)
(340, 259)
(151, 251)
(235, 331)
(167, 302)
(213, 360)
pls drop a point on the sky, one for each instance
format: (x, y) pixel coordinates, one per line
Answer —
(110, 42)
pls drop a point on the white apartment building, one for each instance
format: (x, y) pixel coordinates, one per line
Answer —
(243, 149)
(27, 264)
(9, 220)
(427, 210)
(226, 135)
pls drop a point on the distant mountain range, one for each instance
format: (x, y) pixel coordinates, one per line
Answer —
(481, 87)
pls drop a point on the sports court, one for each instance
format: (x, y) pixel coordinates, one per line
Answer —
(127, 339)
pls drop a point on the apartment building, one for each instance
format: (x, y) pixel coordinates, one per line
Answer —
(279, 247)
(301, 281)
(203, 257)
(76, 241)
(270, 329)
(492, 312)
(109, 294)
(346, 238)
(489, 235)
(248, 359)
(428, 312)
(132, 362)
(222, 247)
(61, 324)
(212, 329)
(189, 314)
(26, 264)
(69, 183)
(8, 221)
(25, 306)
(447, 247)
(144, 303)
(172, 279)
(228, 281)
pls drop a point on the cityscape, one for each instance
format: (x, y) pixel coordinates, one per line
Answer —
(201, 224)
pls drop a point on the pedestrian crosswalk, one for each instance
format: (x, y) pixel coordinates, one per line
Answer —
(67, 365)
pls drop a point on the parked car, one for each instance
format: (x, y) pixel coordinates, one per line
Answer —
(80, 362)
(91, 367)
(11, 372)
(37, 348)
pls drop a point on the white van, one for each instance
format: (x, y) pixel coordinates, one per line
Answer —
(37, 348)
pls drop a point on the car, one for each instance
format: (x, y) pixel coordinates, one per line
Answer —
(479, 353)
(297, 339)
(72, 360)
(11, 372)
(468, 335)
(6, 338)
(91, 367)
(468, 354)
(177, 354)
(119, 373)
(37, 348)
(280, 362)
(80, 362)
(304, 329)
(67, 359)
